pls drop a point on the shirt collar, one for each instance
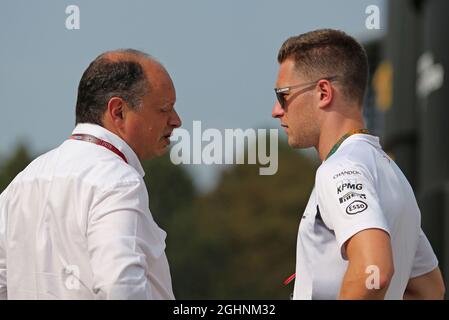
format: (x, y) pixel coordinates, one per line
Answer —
(106, 135)
(373, 140)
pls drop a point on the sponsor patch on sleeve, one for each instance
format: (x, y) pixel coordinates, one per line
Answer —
(350, 195)
(346, 173)
(356, 206)
(348, 185)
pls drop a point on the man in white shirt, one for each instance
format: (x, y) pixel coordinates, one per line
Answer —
(360, 236)
(75, 224)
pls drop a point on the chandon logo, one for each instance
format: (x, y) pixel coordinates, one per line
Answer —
(346, 173)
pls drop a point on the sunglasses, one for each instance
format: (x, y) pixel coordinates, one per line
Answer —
(282, 92)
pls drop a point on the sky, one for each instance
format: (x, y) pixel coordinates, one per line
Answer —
(220, 54)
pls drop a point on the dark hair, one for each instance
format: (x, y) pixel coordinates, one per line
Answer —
(327, 52)
(105, 78)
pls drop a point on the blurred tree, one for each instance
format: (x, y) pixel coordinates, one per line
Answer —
(12, 165)
(170, 189)
(239, 241)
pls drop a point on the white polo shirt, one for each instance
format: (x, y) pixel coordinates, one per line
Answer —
(359, 187)
(75, 224)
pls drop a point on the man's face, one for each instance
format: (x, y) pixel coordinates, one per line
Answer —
(150, 126)
(299, 115)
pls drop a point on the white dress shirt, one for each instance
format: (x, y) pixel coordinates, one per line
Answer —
(76, 224)
(359, 187)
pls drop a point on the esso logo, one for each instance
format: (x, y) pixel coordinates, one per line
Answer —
(356, 206)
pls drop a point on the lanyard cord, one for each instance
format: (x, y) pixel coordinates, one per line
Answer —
(347, 135)
(95, 140)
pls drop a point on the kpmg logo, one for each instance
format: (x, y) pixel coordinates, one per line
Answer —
(350, 195)
(348, 185)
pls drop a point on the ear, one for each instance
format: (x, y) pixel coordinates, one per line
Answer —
(325, 93)
(116, 111)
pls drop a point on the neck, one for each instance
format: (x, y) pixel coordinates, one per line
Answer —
(108, 125)
(113, 130)
(334, 128)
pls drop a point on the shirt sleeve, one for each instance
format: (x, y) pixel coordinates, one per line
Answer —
(425, 259)
(3, 217)
(348, 202)
(122, 238)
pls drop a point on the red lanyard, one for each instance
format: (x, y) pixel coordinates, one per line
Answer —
(95, 140)
(289, 279)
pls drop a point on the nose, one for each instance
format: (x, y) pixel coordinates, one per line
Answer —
(175, 120)
(277, 110)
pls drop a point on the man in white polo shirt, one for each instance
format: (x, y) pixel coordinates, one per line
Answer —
(360, 236)
(75, 224)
